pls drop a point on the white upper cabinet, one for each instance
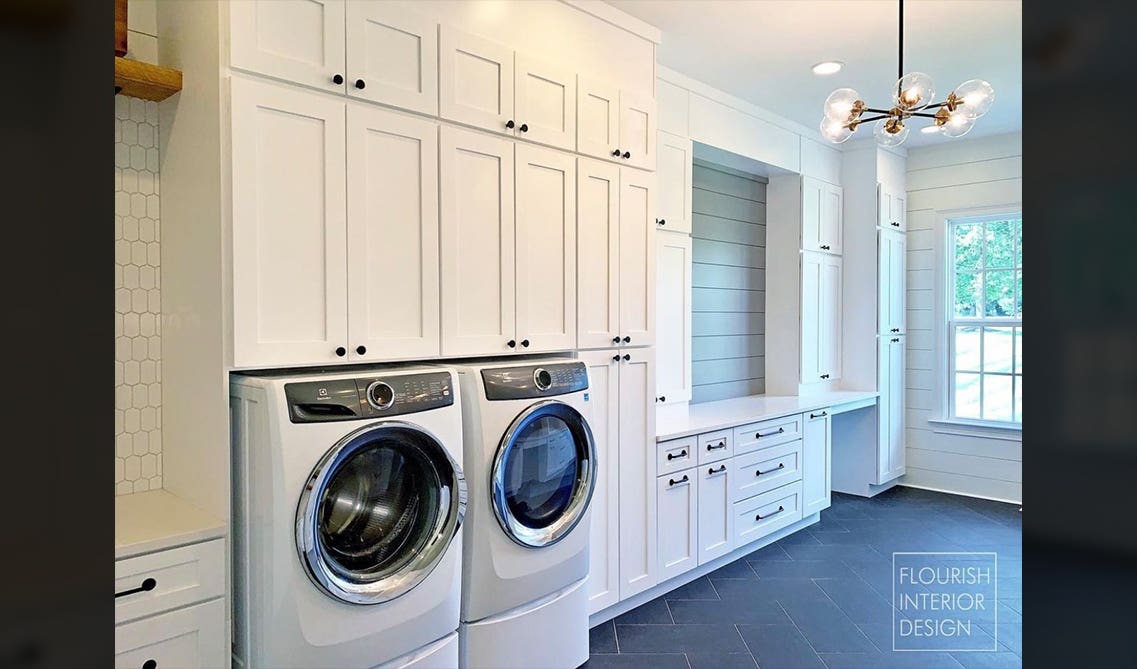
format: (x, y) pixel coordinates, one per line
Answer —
(673, 170)
(820, 216)
(891, 298)
(816, 464)
(890, 383)
(604, 509)
(545, 102)
(392, 56)
(637, 258)
(545, 249)
(289, 225)
(637, 129)
(477, 247)
(598, 119)
(295, 40)
(392, 235)
(820, 317)
(598, 242)
(891, 209)
(673, 318)
(475, 78)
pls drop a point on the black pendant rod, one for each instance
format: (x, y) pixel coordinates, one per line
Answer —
(900, 58)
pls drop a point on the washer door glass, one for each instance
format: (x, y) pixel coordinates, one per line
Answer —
(543, 474)
(378, 513)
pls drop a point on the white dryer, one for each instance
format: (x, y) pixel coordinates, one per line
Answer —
(348, 504)
(531, 463)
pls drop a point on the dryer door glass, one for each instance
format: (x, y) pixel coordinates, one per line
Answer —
(378, 513)
(543, 474)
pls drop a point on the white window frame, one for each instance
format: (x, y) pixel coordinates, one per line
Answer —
(950, 322)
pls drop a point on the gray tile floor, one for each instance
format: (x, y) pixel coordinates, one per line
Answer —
(820, 598)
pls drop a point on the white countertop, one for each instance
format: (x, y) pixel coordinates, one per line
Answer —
(681, 420)
(151, 521)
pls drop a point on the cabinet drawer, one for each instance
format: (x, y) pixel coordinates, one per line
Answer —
(760, 515)
(189, 638)
(715, 446)
(675, 454)
(765, 469)
(157, 582)
(751, 437)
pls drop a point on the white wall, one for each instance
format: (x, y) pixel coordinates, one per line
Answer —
(943, 180)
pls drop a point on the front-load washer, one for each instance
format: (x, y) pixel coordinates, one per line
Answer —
(531, 465)
(348, 505)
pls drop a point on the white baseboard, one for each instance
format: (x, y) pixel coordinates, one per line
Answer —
(962, 494)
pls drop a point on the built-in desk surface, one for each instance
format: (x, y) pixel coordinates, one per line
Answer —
(682, 420)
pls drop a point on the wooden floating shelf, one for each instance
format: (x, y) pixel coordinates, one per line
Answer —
(145, 80)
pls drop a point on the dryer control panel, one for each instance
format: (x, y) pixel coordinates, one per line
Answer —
(368, 397)
(534, 381)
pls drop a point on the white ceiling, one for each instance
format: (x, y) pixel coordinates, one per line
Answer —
(762, 50)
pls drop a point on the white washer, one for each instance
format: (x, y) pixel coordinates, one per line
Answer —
(531, 462)
(348, 503)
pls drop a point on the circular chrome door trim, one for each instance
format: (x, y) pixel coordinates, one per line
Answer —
(312, 554)
(524, 535)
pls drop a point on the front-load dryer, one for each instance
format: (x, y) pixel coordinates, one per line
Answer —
(531, 466)
(348, 505)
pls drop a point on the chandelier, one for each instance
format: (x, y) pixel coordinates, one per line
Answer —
(912, 97)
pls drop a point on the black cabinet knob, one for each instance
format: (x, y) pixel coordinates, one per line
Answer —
(660, 221)
(627, 155)
(525, 343)
(615, 340)
(663, 398)
(524, 127)
(361, 350)
(341, 351)
(509, 124)
(824, 247)
(616, 358)
(627, 340)
(627, 357)
(359, 83)
(150, 664)
(511, 343)
(616, 153)
(337, 79)
(895, 224)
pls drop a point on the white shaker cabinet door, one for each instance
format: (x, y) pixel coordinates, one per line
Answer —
(830, 321)
(300, 41)
(604, 509)
(598, 245)
(598, 119)
(637, 258)
(820, 216)
(475, 81)
(637, 130)
(678, 513)
(545, 249)
(891, 300)
(811, 364)
(394, 53)
(716, 517)
(673, 317)
(477, 245)
(815, 468)
(544, 102)
(673, 171)
(831, 231)
(890, 382)
(289, 226)
(392, 234)
(639, 567)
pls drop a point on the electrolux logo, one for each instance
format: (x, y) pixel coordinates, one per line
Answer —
(945, 601)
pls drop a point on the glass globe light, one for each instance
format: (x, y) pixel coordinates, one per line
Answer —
(975, 97)
(913, 91)
(835, 131)
(840, 104)
(958, 124)
(890, 132)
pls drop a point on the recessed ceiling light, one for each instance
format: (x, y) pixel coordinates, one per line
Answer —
(930, 130)
(828, 67)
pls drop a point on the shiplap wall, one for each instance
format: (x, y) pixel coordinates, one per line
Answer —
(728, 296)
(952, 177)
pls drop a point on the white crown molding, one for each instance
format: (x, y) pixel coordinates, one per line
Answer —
(618, 18)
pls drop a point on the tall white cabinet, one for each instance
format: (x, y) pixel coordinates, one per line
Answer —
(673, 318)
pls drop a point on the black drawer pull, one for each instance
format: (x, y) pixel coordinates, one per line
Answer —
(673, 482)
(759, 516)
(147, 585)
(759, 435)
(759, 472)
(682, 454)
(715, 447)
(716, 471)
(820, 415)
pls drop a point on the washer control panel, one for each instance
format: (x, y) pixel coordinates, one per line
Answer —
(534, 381)
(368, 397)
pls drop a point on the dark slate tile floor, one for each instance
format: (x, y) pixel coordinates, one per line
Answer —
(820, 598)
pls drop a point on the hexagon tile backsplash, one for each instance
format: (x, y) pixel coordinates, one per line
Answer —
(137, 299)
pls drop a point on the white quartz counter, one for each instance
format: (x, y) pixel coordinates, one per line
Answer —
(682, 420)
(151, 521)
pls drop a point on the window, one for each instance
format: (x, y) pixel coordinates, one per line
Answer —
(985, 326)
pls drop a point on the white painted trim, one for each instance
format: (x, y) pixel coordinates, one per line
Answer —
(977, 428)
(962, 494)
(609, 14)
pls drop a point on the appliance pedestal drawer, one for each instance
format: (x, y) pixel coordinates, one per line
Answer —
(189, 638)
(760, 515)
(165, 580)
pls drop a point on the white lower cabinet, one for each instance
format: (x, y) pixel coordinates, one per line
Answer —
(678, 505)
(638, 530)
(815, 468)
(604, 509)
(188, 638)
(716, 522)
(762, 514)
(890, 382)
